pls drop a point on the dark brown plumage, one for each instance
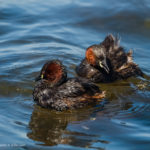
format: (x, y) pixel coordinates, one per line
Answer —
(54, 90)
(107, 62)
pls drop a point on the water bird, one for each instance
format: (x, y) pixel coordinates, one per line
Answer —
(107, 62)
(54, 90)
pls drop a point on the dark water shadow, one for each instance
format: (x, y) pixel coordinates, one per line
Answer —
(127, 98)
(50, 128)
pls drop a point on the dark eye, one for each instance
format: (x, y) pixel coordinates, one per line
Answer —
(101, 57)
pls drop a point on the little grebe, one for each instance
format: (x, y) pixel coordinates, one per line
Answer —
(54, 90)
(107, 62)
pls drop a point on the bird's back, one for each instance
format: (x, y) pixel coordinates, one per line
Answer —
(121, 61)
(74, 93)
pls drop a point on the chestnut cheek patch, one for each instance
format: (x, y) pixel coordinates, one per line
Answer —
(90, 56)
(53, 72)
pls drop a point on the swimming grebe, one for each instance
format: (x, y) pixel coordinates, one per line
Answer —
(54, 90)
(107, 62)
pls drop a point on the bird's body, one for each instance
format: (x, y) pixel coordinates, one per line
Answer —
(68, 94)
(119, 64)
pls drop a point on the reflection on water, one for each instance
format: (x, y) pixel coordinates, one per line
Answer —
(47, 127)
(50, 127)
(34, 31)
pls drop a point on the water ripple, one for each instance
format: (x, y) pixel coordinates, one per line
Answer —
(34, 31)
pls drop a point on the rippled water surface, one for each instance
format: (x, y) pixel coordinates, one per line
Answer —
(34, 31)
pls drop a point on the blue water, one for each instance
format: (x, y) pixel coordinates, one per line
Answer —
(34, 31)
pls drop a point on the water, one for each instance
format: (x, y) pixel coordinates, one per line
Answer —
(34, 31)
